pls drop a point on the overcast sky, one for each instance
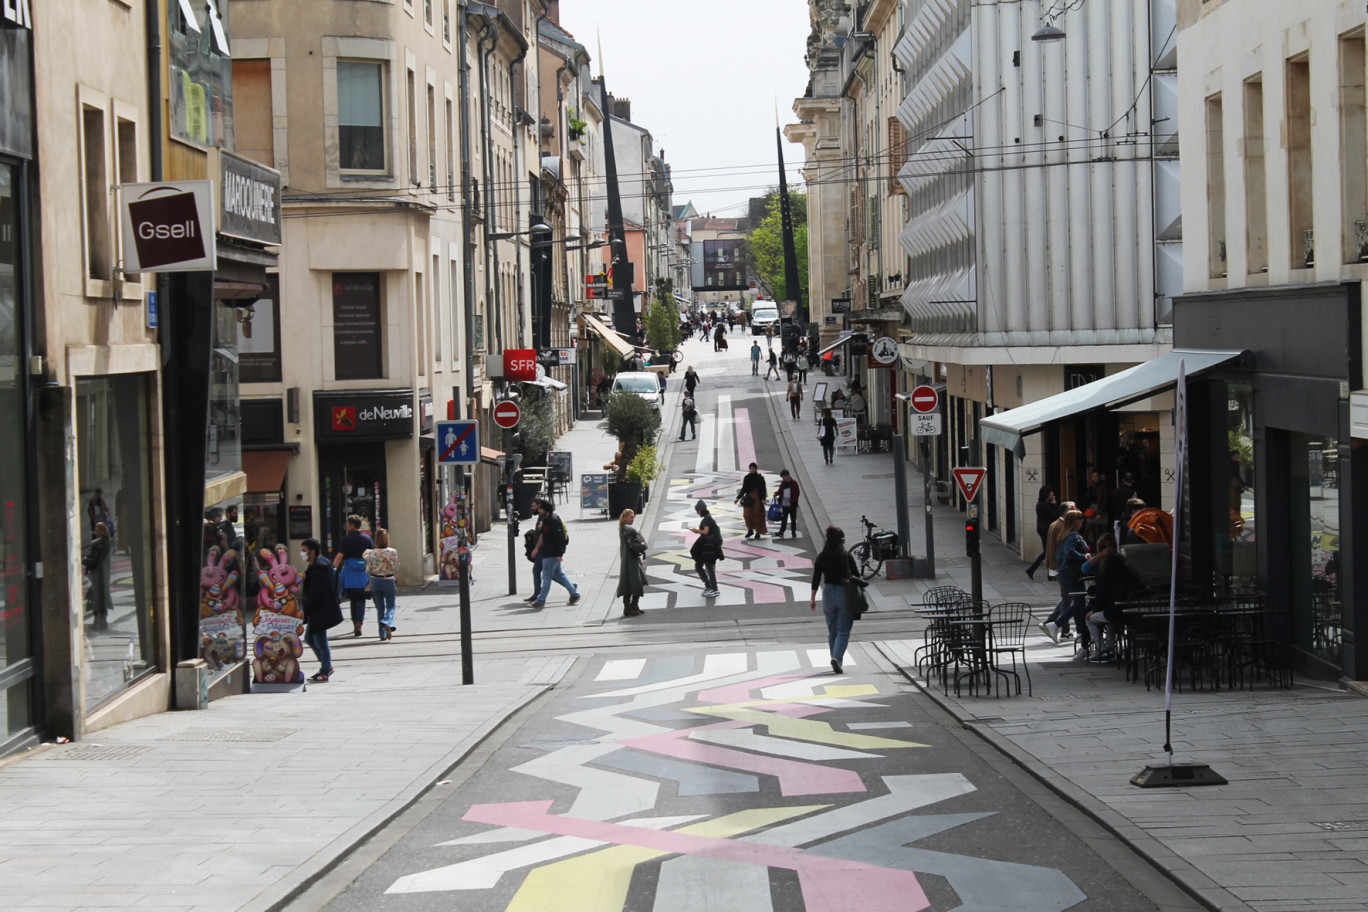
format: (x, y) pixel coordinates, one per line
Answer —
(703, 77)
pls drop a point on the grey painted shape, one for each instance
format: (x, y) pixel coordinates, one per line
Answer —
(664, 668)
(870, 726)
(983, 885)
(660, 714)
(692, 883)
(693, 778)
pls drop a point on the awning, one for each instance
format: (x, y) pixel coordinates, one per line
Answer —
(265, 469)
(1007, 428)
(490, 455)
(841, 341)
(609, 335)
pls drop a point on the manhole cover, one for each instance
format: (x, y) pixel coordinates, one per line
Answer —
(100, 752)
(952, 561)
(1059, 698)
(1340, 826)
(252, 735)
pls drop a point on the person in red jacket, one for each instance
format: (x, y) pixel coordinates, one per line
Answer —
(788, 493)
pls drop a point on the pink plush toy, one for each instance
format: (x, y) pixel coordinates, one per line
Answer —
(218, 580)
(279, 585)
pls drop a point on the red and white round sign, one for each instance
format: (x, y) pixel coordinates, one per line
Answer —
(506, 414)
(925, 399)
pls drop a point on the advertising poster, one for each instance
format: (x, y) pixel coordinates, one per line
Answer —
(594, 492)
(278, 624)
(845, 432)
(222, 640)
(455, 539)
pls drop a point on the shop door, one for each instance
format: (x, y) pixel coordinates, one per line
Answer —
(353, 481)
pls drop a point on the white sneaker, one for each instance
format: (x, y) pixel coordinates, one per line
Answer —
(711, 593)
(1051, 630)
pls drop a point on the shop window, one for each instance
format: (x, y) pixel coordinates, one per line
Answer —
(412, 132)
(1315, 547)
(1232, 485)
(432, 138)
(1216, 197)
(96, 178)
(258, 344)
(223, 453)
(126, 133)
(1353, 150)
(201, 72)
(360, 116)
(15, 642)
(115, 467)
(228, 587)
(358, 352)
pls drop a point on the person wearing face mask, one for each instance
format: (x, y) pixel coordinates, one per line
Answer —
(321, 608)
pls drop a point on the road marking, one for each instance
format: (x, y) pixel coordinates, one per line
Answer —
(706, 460)
(621, 670)
(745, 440)
(820, 657)
(726, 436)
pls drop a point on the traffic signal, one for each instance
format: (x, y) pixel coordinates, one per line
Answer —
(971, 533)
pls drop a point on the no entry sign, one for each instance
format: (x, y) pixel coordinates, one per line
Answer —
(925, 399)
(506, 414)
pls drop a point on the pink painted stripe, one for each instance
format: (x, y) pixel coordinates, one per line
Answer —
(795, 776)
(745, 441)
(765, 593)
(740, 693)
(829, 884)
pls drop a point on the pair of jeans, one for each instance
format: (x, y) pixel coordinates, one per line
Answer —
(1074, 605)
(536, 575)
(707, 572)
(552, 570)
(358, 607)
(796, 407)
(789, 519)
(838, 619)
(1103, 633)
(755, 367)
(384, 589)
(829, 450)
(317, 638)
(689, 423)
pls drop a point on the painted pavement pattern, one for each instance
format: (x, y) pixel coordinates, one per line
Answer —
(741, 780)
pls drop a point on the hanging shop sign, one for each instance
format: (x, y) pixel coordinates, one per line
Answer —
(168, 226)
(351, 415)
(16, 14)
(251, 200)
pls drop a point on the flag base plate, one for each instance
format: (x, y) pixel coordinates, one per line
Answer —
(1177, 775)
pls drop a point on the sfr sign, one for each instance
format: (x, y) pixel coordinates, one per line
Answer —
(520, 364)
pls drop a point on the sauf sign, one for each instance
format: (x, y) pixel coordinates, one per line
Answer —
(168, 227)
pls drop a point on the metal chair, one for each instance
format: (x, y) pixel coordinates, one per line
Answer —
(1011, 620)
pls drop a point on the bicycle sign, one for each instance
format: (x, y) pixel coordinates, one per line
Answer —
(924, 425)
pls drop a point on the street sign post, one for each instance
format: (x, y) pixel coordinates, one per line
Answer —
(458, 442)
(924, 399)
(506, 414)
(970, 480)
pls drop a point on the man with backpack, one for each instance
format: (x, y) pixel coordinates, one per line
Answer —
(689, 413)
(552, 539)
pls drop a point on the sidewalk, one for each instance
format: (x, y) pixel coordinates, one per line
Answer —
(1290, 831)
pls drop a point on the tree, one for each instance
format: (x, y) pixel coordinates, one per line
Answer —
(662, 320)
(634, 423)
(765, 246)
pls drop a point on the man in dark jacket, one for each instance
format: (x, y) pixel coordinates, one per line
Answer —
(706, 549)
(321, 609)
(788, 493)
(550, 550)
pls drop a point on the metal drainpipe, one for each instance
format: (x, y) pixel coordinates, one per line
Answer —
(467, 227)
(493, 287)
(517, 194)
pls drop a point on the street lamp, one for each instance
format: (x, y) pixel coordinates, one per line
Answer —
(1048, 32)
(535, 228)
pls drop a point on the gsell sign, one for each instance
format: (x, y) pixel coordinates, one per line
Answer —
(251, 200)
(16, 14)
(168, 227)
(364, 415)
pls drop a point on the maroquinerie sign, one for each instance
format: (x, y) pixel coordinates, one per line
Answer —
(251, 200)
(168, 226)
(16, 14)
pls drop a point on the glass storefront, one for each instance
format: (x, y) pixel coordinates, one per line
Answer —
(1233, 526)
(201, 72)
(228, 586)
(1315, 539)
(223, 450)
(16, 641)
(115, 471)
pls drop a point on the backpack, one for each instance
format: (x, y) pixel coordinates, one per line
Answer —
(565, 533)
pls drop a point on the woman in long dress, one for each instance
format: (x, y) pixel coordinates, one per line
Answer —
(632, 577)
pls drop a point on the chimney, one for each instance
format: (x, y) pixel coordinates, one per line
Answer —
(553, 11)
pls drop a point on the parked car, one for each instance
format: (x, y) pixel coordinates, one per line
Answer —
(644, 383)
(763, 315)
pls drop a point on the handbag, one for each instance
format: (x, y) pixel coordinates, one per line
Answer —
(855, 600)
(775, 512)
(745, 498)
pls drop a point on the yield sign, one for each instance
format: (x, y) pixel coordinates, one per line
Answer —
(969, 479)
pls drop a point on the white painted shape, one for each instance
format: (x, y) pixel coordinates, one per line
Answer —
(905, 793)
(726, 435)
(747, 739)
(621, 670)
(691, 883)
(714, 666)
(819, 657)
(874, 726)
(706, 461)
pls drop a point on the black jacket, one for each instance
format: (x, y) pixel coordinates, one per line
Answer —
(754, 483)
(552, 539)
(1046, 514)
(836, 571)
(321, 608)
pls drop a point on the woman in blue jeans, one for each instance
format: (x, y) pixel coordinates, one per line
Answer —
(381, 563)
(1073, 553)
(830, 571)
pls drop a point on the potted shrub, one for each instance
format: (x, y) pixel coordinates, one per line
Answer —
(635, 424)
(644, 468)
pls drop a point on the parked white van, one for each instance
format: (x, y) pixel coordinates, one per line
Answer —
(763, 315)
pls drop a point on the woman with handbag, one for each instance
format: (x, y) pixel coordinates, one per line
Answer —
(752, 499)
(832, 571)
(632, 576)
(382, 562)
(321, 608)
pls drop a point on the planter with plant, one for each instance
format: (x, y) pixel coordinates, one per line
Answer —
(645, 467)
(635, 424)
(576, 125)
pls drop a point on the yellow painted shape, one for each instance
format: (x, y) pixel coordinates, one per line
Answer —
(806, 729)
(600, 879)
